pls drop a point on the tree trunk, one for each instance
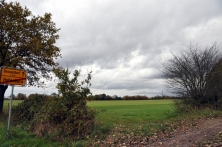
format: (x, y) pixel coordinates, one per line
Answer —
(2, 93)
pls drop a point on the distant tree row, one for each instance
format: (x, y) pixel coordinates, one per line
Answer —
(103, 97)
(164, 97)
(137, 97)
(20, 96)
(115, 97)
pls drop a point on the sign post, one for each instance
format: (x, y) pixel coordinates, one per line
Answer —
(10, 111)
(12, 77)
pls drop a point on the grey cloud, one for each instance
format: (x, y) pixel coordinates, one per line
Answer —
(129, 84)
(108, 36)
(126, 37)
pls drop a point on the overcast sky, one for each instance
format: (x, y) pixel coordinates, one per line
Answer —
(124, 42)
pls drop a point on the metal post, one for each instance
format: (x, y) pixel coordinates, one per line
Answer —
(10, 111)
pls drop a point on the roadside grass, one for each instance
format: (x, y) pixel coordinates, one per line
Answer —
(120, 117)
(20, 138)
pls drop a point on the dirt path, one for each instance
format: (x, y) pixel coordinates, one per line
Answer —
(200, 133)
(188, 133)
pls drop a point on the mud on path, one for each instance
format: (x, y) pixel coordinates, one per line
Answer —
(206, 133)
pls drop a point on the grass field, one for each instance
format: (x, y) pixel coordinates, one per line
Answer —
(116, 112)
(131, 112)
(135, 115)
(14, 103)
(141, 117)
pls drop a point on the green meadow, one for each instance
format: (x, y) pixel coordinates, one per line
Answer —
(129, 113)
(141, 117)
(14, 103)
(133, 112)
(124, 111)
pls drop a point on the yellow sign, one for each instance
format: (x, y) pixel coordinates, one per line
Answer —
(12, 76)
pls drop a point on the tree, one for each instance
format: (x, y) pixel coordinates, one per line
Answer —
(54, 94)
(13, 96)
(214, 86)
(193, 75)
(103, 96)
(27, 42)
(21, 96)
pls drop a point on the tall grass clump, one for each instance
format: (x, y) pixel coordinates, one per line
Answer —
(62, 118)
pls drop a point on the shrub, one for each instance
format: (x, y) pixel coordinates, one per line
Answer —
(61, 118)
(26, 110)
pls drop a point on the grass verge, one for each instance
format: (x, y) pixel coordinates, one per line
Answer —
(20, 138)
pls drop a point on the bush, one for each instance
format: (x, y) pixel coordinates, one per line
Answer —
(65, 117)
(26, 110)
(62, 119)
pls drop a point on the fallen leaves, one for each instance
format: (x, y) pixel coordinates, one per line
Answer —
(124, 136)
(214, 141)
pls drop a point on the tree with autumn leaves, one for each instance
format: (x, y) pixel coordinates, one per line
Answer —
(27, 42)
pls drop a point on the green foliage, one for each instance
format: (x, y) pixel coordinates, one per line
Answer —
(21, 138)
(64, 117)
(79, 118)
(26, 110)
(27, 42)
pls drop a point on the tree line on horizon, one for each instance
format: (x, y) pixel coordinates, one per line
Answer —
(21, 96)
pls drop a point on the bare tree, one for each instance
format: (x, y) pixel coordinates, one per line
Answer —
(193, 73)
